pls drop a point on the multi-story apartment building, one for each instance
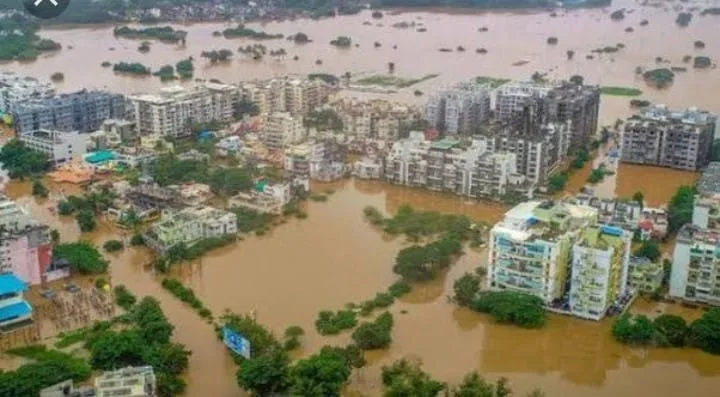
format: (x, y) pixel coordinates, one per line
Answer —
(695, 274)
(511, 98)
(644, 275)
(12, 216)
(578, 105)
(376, 119)
(82, 111)
(14, 309)
(27, 253)
(658, 136)
(563, 103)
(599, 272)
(294, 95)
(538, 150)
(16, 89)
(530, 249)
(282, 130)
(59, 146)
(460, 108)
(368, 168)
(190, 225)
(171, 112)
(447, 165)
(322, 160)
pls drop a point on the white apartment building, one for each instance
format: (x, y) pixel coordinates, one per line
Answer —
(60, 146)
(15, 89)
(459, 108)
(377, 119)
(168, 113)
(295, 95)
(368, 168)
(191, 225)
(510, 98)
(447, 165)
(695, 272)
(529, 249)
(282, 130)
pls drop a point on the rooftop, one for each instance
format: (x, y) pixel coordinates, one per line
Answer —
(15, 310)
(10, 283)
(444, 144)
(709, 183)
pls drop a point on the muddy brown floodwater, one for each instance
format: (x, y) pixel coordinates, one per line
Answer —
(335, 257)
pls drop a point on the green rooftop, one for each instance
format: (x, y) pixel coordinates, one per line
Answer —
(445, 144)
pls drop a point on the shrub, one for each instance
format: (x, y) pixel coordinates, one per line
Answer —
(329, 323)
(113, 245)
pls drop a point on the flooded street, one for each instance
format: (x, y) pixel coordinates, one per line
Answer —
(335, 257)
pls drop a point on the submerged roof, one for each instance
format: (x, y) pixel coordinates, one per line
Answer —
(19, 309)
(10, 283)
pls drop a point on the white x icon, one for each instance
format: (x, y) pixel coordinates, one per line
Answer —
(38, 2)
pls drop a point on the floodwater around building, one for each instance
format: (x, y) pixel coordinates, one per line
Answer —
(511, 37)
(335, 257)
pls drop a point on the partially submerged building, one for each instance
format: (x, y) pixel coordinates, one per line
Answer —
(674, 139)
(190, 225)
(558, 252)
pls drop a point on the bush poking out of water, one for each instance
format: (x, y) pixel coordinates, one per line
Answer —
(186, 295)
(57, 77)
(552, 40)
(113, 245)
(699, 44)
(124, 298)
(399, 288)
(510, 307)
(374, 216)
(330, 323)
(320, 198)
(660, 78)
(421, 263)
(376, 334)
(702, 62)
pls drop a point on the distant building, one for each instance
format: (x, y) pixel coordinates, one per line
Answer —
(127, 382)
(15, 311)
(16, 89)
(295, 95)
(564, 103)
(170, 112)
(460, 108)
(709, 183)
(322, 160)
(27, 253)
(265, 198)
(83, 111)
(658, 136)
(451, 166)
(282, 130)
(374, 119)
(59, 146)
(191, 225)
(368, 168)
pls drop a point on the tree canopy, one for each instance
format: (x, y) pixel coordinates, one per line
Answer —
(83, 257)
(406, 379)
(21, 161)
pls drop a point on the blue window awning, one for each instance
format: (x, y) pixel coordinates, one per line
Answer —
(10, 284)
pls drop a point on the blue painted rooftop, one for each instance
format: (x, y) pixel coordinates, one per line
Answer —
(100, 157)
(9, 283)
(19, 309)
